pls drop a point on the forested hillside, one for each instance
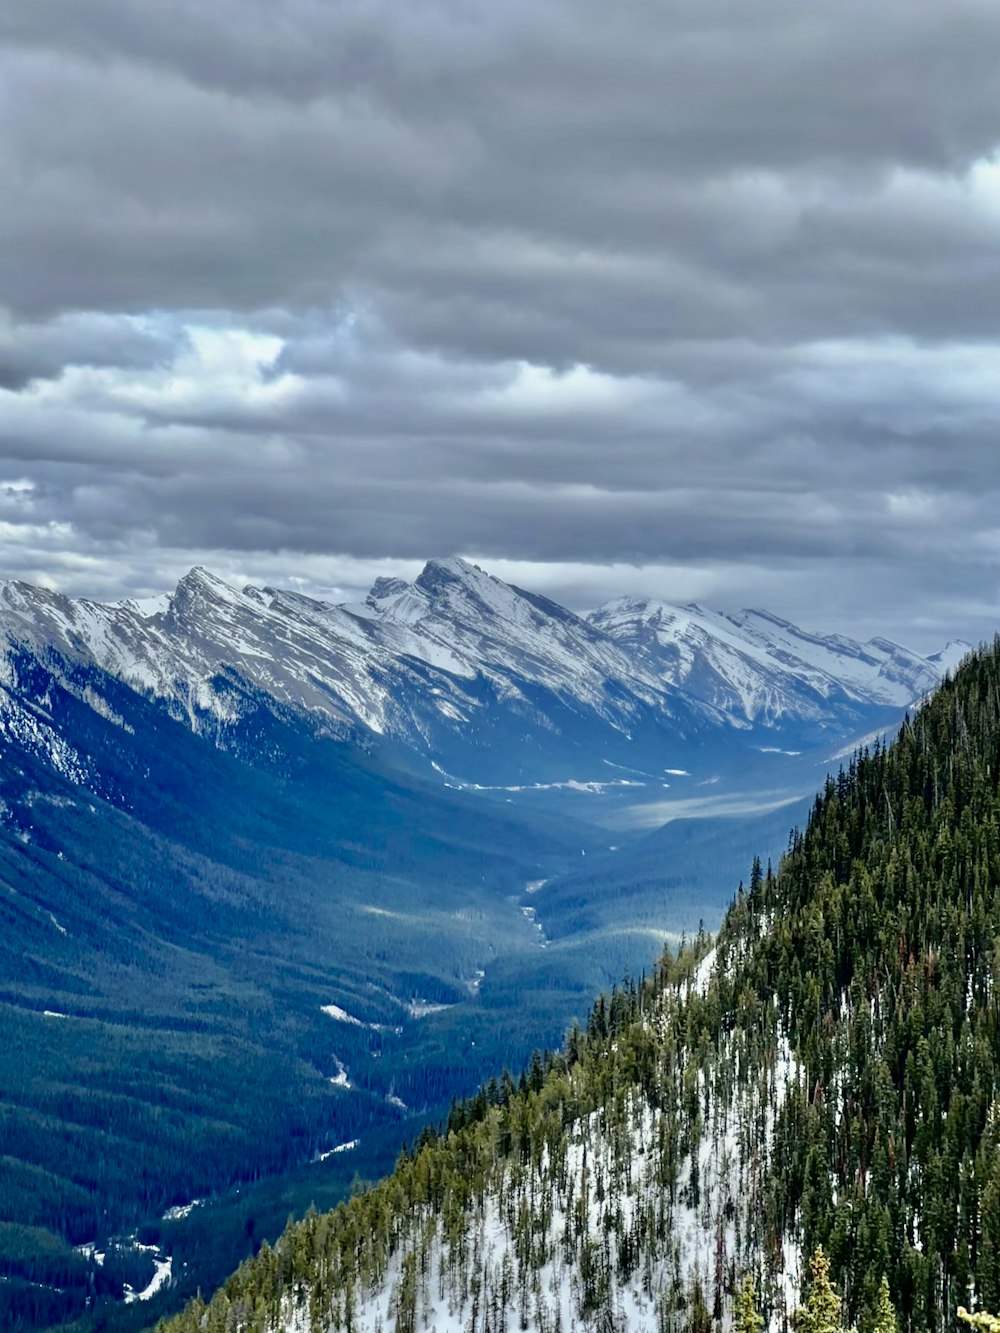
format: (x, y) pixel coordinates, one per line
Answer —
(228, 951)
(826, 1075)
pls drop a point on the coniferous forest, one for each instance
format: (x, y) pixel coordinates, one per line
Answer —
(814, 1095)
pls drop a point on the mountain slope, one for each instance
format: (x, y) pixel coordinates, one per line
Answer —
(762, 671)
(828, 1073)
(471, 681)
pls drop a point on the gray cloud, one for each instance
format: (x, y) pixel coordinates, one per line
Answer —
(693, 299)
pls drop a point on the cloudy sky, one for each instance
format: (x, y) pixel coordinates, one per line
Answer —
(698, 299)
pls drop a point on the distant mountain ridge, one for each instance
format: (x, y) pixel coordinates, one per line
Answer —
(761, 669)
(485, 682)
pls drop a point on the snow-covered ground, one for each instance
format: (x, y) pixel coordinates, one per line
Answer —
(160, 1278)
(339, 1015)
(340, 1078)
(182, 1210)
(617, 1178)
(334, 1152)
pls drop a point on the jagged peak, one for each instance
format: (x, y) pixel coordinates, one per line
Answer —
(198, 576)
(454, 581)
(200, 588)
(452, 570)
(384, 587)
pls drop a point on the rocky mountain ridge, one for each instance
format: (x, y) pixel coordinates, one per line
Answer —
(485, 683)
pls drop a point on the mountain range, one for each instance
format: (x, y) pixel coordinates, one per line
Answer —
(279, 879)
(489, 686)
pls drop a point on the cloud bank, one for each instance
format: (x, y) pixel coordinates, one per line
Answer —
(686, 298)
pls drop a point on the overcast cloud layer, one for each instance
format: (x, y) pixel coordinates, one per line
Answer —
(685, 298)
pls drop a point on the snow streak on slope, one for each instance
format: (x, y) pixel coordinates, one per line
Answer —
(762, 670)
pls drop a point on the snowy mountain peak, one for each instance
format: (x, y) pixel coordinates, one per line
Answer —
(762, 669)
(454, 567)
(948, 657)
(484, 679)
(447, 580)
(467, 594)
(201, 582)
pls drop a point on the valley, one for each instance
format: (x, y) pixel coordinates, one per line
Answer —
(280, 881)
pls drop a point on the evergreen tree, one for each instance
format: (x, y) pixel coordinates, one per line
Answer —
(746, 1317)
(821, 1312)
(885, 1313)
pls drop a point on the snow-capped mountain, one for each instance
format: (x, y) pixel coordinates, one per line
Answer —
(762, 671)
(480, 678)
(485, 682)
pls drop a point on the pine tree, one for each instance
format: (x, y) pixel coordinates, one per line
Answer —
(821, 1312)
(746, 1317)
(885, 1311)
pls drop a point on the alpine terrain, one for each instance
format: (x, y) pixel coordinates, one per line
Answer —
(281, 880)
(810, 1103)
(465, 677)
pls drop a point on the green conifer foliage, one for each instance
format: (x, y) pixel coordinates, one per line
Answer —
(885, 1313)
(821, 1312)
(986, 1323)
(746, 1316)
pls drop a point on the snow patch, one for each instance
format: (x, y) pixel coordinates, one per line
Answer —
(340, 1079)
(333, 1152)
(181, 1210)
(162, 1275)
(339, 1015)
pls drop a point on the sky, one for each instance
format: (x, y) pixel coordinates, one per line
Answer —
(690, 299)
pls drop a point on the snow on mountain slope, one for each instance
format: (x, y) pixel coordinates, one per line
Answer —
(761, 670)
(455, 659)
(948, 657)
(604, 1192)
(563, 1214)
(480, 678)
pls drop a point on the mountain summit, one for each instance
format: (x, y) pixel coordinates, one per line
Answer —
(488, 684)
